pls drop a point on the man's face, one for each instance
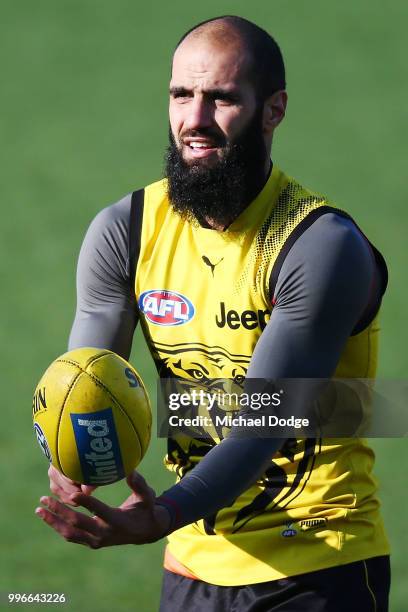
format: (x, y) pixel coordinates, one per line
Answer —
(217, 156)
(211, 99)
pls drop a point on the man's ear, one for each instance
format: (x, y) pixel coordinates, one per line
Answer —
(274, 111)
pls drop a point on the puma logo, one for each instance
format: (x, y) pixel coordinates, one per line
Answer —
(209, 264)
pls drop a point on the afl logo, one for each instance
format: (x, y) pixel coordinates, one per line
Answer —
(289, 532)
(42, 441)
(162, 307)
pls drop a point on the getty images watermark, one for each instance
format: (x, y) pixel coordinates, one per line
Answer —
(282, 408)
(229, 402)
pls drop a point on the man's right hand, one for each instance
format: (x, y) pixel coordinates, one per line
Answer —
(64, 487)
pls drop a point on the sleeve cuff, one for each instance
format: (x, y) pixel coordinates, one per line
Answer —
(173, 509)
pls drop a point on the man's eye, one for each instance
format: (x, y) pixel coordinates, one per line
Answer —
(181, 96)
(225, 100)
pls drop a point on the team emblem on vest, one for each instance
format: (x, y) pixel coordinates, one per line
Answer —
(162, 307)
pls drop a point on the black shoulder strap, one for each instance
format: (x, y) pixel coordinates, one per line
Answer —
(135, 231)
(302, 227)
(293, 236)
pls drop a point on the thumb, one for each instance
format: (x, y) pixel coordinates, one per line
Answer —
(88, 489)
(141, 489)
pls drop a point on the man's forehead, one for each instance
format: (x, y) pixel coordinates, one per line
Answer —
(207, 59)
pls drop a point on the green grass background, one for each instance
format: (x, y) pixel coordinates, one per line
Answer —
(83, 122)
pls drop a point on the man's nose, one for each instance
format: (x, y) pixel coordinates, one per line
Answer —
(200, 114)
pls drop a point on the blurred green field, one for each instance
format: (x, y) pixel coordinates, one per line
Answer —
(83, 122)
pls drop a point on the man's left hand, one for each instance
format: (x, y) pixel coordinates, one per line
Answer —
(137, 521)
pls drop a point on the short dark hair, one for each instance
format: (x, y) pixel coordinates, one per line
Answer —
(268, 69)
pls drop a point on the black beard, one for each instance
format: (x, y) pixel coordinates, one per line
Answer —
(198, 192)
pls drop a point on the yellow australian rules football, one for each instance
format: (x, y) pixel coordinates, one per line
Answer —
(92, 416)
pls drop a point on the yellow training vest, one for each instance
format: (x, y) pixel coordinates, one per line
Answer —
(204, 298)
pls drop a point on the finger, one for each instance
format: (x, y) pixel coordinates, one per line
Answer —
(59, 478)
(98, 507)
(63, 495)
(61, 486)
(141, 489)
(71, 517)
(67, 531)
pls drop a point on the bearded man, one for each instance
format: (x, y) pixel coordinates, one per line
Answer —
(237, 271)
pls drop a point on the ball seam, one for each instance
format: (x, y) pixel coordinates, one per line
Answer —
(63, 406)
